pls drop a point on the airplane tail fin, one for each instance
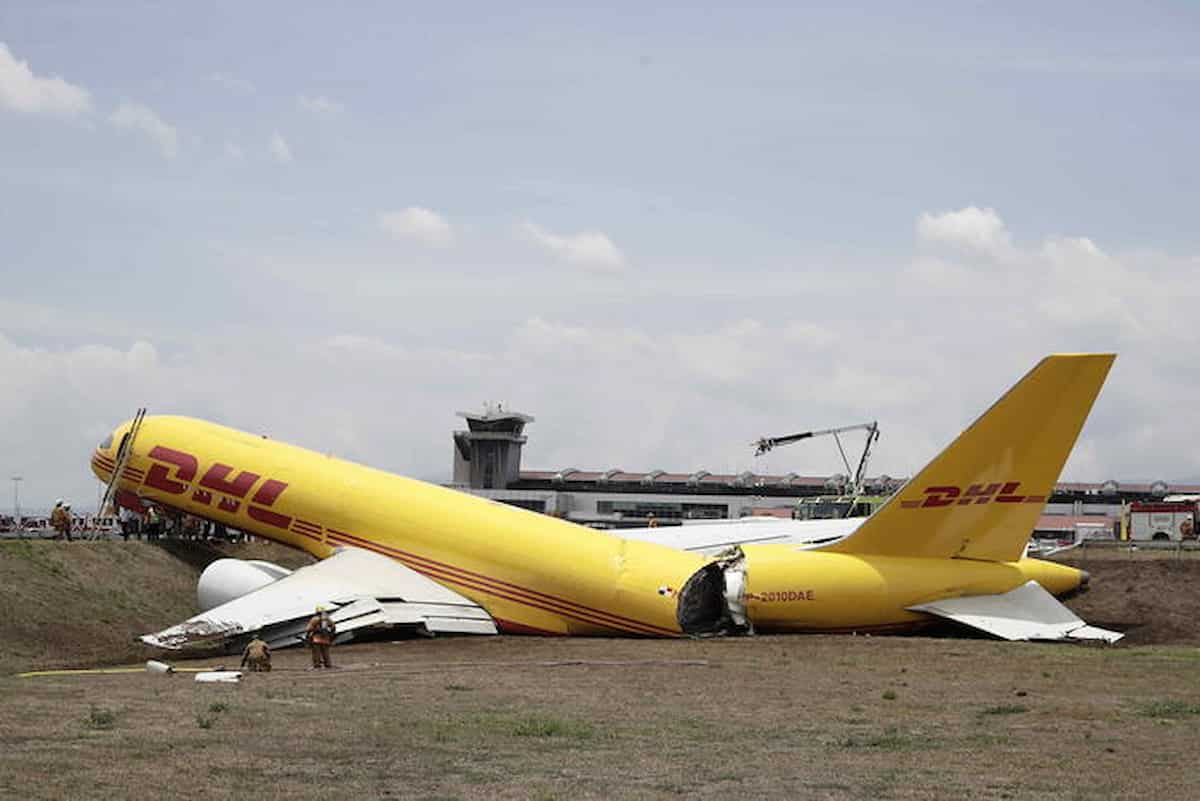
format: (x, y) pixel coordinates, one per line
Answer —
(980, 498)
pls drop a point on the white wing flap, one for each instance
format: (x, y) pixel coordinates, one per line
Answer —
(361, 590)
(1026, 613)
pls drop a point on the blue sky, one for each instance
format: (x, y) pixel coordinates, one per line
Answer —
(662, 231)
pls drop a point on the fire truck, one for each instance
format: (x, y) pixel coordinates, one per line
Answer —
(1172, 519)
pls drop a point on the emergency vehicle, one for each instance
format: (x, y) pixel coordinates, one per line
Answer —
(1171, 519)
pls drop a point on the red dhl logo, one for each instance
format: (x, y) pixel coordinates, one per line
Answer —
(975, 494)
(174, 471)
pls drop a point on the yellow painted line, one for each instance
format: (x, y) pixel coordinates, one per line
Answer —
(101, 671)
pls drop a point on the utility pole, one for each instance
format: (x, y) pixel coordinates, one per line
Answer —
(16, 480)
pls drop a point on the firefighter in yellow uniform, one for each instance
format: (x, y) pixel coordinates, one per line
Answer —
(320, 633)
(257, 656)
(60, 519)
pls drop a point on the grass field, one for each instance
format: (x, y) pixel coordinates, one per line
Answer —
(768, 717)
(809, 717)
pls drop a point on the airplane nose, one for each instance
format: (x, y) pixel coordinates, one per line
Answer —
(102, 464)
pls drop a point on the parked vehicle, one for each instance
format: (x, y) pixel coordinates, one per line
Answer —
(1160, 521)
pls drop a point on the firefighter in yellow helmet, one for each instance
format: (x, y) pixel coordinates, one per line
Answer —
(320, 633)
(60, 519)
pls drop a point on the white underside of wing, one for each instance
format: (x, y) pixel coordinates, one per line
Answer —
(359, 588)
(1026, 613)
(713, 537)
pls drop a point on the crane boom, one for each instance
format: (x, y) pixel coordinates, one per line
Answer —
(767, 444)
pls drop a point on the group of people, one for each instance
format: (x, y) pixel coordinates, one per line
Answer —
(156, 523)
(152, 523)
(61, 520)
(320, 633)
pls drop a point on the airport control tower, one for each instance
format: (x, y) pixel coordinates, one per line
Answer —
(488, 454)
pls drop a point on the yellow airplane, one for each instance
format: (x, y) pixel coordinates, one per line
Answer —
(403, 553)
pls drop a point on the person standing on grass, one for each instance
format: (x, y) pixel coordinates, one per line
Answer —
(153, 523)
(68, 520)
(125, 521)
(60, 519)
(257, 656)
(320, 633)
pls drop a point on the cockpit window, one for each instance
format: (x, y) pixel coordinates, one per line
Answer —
(107, 443)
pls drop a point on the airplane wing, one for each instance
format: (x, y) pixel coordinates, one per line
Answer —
(362, 590)
(713, 537)
(1040, 550)
(1026, 613)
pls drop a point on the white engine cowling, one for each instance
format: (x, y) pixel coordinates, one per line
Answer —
(227, 579)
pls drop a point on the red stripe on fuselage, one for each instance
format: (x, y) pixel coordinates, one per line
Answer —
(513, 587)
(509, 627)
(505, 590)
(534, 594)
(450, 578)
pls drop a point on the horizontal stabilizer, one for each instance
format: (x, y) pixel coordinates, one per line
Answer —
(361, 590)
(1026, 613)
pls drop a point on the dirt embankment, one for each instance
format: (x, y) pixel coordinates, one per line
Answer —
(1155, 601)
(84, 603)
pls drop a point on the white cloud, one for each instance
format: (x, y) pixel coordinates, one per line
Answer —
(24, 92)
(654, 374)
(1086, 287)
(280, 151)
(66, 401)
(590, 249)
(417, 223)
(233, 150)
(140, 119)
(1068, 285)
(1067, 293)
(319, 105)
(238, 86)
(972, 229)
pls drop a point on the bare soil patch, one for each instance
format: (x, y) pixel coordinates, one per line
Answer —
(1153, 597)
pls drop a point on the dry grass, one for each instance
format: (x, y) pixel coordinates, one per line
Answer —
(528, 718)
(524, 718)
(84, 603)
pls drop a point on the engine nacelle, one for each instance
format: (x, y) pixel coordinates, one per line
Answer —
(227, 579)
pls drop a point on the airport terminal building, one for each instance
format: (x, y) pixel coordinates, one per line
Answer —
(487, 462)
